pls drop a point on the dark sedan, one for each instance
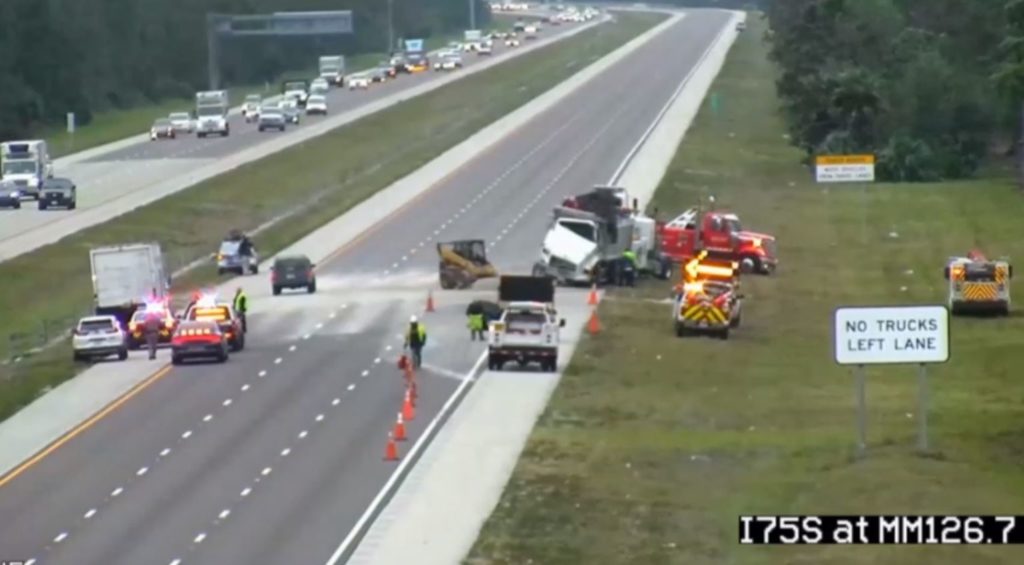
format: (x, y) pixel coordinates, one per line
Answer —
(58, 192)
(10, 195)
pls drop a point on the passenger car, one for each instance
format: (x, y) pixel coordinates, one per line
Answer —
(162, 129)
(237, 254)
(316, 104)
(484, 48)
(359, 82)
(271, 117)
(58, 192)
(448, 61)
(182, 122)
(251, 108)
(512, 42)
(10, 195)
(293, 271)
(98, 336)
(137, 328)
(290, 108)
(224, 316)
(319, 86)
(198, 339)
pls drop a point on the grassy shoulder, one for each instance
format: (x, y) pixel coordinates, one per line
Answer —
(110, 126)
(314, 183)
(652, 445)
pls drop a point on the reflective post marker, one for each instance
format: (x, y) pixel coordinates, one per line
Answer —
(922, 408)
(862, 412)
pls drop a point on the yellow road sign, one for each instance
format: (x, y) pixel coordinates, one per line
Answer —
(845, 160)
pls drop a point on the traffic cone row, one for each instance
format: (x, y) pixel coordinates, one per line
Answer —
(407, 414)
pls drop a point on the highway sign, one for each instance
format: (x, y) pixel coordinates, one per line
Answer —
(473, 35)
(413, 45)
(891, 335)
(844, 168)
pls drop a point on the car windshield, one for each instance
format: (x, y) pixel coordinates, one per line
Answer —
(19, 167)
(271, 111)
(291, 264)
(317, 99)
(525, 321)
(57, 184)
(180, 117)
(96, 325)
(230, 247)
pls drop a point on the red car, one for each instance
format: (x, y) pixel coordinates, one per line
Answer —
(199, 339)
(225, 317)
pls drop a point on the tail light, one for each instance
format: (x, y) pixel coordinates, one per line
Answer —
(309, 274)
(273, 275)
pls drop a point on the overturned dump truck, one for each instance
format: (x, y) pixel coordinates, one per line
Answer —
(463, 263)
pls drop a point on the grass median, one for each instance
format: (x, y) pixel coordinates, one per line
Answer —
(313, 182)
(113, 125)
(652, 445)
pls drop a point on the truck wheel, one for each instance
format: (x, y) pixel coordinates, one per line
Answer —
(17, 205)
(750, 264)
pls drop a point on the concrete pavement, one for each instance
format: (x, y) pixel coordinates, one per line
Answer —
(193, 433)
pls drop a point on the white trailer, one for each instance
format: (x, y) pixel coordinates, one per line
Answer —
(27, 164)
(332, 68)
(212, 113)
(124, 276)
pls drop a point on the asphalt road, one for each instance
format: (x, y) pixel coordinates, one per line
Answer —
(104, 179)
(220, 465)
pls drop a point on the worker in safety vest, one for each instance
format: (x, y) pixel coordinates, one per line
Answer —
(241, 307)
(415, 339)
(477, 324)
(627, 268)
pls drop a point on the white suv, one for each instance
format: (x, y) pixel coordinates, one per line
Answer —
(99, 336)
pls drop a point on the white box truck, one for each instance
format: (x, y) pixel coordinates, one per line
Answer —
(332, 69)
(124, 276)
(212, 113)
(27, 164)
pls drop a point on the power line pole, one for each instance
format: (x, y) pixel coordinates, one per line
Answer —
(472, 14)
(391, 26)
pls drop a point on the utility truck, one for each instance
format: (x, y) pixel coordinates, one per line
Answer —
(977, 284)
(528, 329)
(25, 164)
(332, 69)
(720, 234)
(125, 277)
(212, 113)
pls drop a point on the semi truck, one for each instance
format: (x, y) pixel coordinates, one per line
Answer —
(26, 164)
(212, 113)
(332, 69)
(528, 329)
(125, 277)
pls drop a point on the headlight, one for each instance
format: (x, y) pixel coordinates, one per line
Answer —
(15, 194)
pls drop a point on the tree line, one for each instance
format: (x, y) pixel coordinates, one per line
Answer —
(87, 56)
(932, 87)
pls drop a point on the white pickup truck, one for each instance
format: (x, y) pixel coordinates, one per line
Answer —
(528, 330)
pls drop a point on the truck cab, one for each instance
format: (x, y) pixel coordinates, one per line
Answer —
(978, 285)
(722, 235)
(212, 113)
(297, 89)
(26, 164)
(332, 69)
(708, 300)
(528, 328)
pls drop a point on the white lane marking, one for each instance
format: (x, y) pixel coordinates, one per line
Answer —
(422, 242)
(224, 514)
(319, 417)
(116, 492)
(277, 361)
(90, 513)
(303, 434)
(286, 451)
(292, 348)
(376, 361)
(394, 265)
(265, 471)
(262, 374)
(199, 538)
(176, 562)
(31, 562)
(60, 537)
(336, 402)
(405, 257)
(186, 435)
(142, 471)
(307, 336)
(207, 417)
(343, 306)
(227, 402)
(166, 451)
(245, 387)
(411, 456)
(245, 492)
(387, 348)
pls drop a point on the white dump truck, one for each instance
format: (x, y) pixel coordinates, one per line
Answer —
(332, 68)
(26, 164)
(212, 113)
(528, 329)
(125, 276)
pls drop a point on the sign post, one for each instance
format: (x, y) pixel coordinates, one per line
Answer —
(858, 169)
(891, 335)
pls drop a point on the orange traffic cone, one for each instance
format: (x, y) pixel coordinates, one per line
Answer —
(399, 428)
(430, 301)
(408, 410)
(594, 325)
(391, 451)
(592, 299)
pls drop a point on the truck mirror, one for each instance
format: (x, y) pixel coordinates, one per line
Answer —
(561, 323)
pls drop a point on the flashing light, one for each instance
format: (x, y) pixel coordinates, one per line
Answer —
(207, 301)
(714, 271)
(757, 242)
(693, 287)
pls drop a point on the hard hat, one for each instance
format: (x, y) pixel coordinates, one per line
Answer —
(413, 319)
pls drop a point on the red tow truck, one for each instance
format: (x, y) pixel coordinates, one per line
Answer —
(722, 235)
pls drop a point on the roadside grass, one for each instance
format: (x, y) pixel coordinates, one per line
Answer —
(113, 125)
(326, 177)
(652, 445)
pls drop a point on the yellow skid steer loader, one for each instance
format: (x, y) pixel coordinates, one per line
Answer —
(463, 263)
